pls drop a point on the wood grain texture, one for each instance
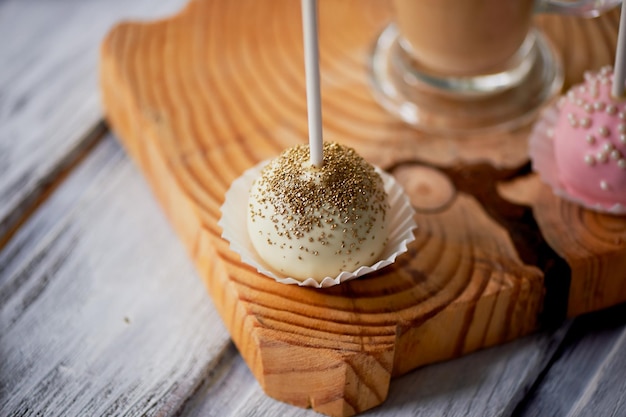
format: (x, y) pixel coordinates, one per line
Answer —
(101, 311)
(49, 100)
(490, 382)
(199, 98)
(592, 243)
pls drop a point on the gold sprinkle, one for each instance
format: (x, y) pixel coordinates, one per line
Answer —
(287, 190)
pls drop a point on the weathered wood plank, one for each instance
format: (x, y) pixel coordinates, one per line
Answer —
(49, 99)
(101, 311)
(587, 376)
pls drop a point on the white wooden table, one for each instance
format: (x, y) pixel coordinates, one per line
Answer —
(101, 311)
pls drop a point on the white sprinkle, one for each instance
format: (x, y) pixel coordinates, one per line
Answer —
(599, 105)
(590, 160)
(585, 122)
(590, 139)
(615, 154)
(608, 147)
(621, 128)
(603, 131)
(573, 123)
(602, 157)
(550, 133)
(611, 109)
(588, 108)
(604, 185)
(621, 115)
(622, 163)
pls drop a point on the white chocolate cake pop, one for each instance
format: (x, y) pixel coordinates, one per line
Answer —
(310, 222)
(590, 142)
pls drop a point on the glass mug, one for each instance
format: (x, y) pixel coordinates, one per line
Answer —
(460, 66)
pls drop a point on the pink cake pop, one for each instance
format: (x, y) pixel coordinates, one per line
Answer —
(590, 141)
(578, 146)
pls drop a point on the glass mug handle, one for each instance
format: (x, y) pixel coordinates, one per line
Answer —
(584, 8)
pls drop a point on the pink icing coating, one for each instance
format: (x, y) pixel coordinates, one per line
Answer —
(590, 141)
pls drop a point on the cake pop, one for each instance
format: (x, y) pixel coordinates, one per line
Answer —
(307, 221)
(579, 146)
(590, 142)
(317, 215)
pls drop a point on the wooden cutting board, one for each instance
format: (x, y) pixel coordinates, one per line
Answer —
(199, 98)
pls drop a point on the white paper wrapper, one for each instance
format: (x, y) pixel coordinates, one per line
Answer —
(541, 150)
(235, 230)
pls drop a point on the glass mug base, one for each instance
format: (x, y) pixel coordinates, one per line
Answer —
(465, 105)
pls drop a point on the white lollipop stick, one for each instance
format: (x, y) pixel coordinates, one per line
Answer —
(619, 73)
(312, 71)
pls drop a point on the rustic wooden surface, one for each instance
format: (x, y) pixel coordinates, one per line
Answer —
(50, 106)
(201, 97)
(103, 313)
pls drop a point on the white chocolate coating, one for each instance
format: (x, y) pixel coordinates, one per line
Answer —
(317, 222)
